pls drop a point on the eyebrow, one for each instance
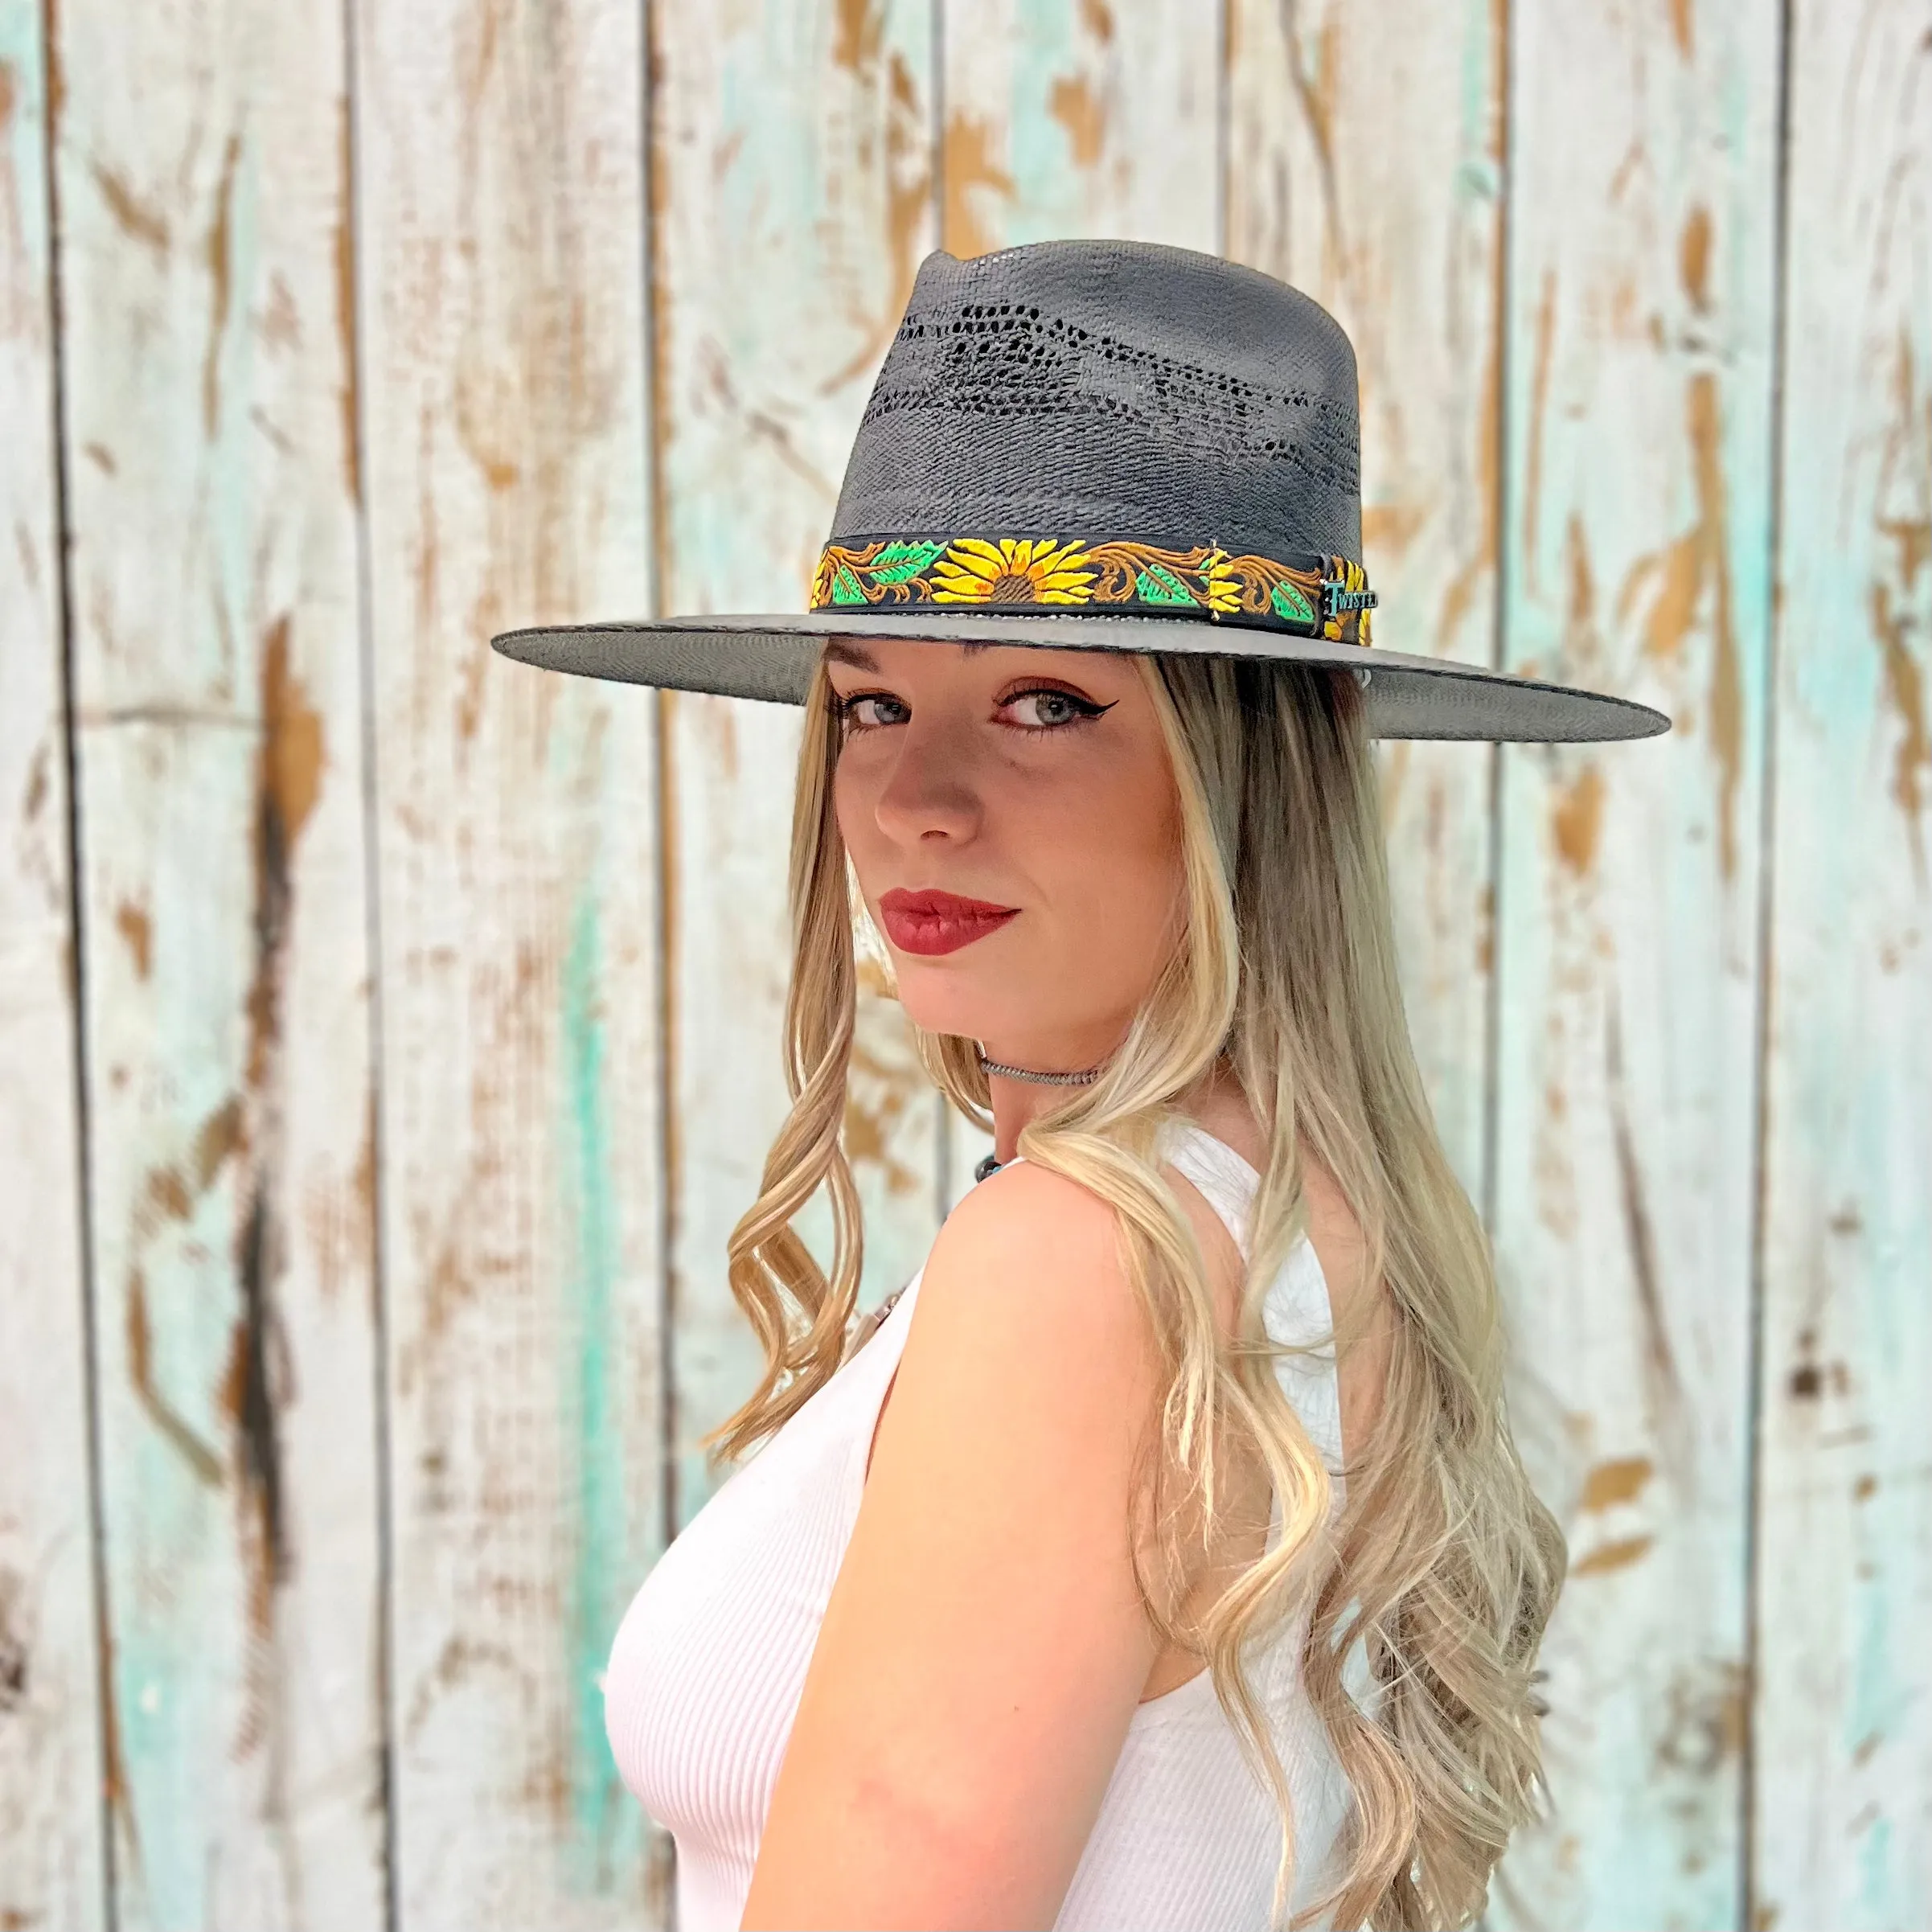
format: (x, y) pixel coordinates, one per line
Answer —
(839, 651)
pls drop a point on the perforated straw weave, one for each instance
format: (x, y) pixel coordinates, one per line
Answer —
(1108, 395)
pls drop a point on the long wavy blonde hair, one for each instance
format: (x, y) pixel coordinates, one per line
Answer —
(1437, 1575)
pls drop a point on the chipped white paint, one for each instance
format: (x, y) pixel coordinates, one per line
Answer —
(794, 153)
(1400, 240)
(218, 716)
(1640, 312)
(480, 318)
(51, 1871)
(501, 239)
(1843, 1729)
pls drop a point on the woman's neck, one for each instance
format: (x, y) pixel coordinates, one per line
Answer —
(1015, 1104)
(1216, 1100)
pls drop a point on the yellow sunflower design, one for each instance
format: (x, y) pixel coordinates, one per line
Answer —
(1321, 597)
(1025, 571)
(1223, 587)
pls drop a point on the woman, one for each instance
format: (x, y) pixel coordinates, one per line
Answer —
(1164, 1558)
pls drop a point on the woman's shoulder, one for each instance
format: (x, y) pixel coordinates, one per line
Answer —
(1027, 1225)
(1028, 1274)
(1046, 1233)
(1024, 1210)
(1028, 1218)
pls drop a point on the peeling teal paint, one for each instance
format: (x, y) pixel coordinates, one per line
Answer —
(1047, 178)
(177, 1583)
(1847, 1119)
(1874, 1874)
(1874, 1696)
(1634, 450)
(602, 1818)
(20, 54)
(1478, 173)
(1478, 181)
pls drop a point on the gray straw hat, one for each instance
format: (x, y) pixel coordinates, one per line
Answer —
(1100, 445)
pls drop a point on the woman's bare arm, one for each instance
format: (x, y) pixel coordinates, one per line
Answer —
(984, 1646)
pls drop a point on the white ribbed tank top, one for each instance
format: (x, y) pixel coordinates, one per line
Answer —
(708, 1664)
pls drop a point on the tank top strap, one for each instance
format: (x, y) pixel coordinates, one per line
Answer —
(1298, 1311)
(1227, 1183)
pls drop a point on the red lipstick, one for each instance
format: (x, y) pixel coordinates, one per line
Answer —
(928, 922)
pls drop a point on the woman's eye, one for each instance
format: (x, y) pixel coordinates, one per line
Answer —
(1042, 710)
(868, 710)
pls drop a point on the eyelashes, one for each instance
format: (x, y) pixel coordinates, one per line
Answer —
(1077, 710)
(1054, 708)
(848, 710)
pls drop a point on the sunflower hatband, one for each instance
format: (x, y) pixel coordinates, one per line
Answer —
(1162, 441)
(1317, 597)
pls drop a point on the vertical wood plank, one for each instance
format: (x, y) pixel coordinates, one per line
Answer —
(218, 728)
(1843, 1721)
(1099, 120)
(501, 230)
(1640, 303)
(793, 152)
(1400, 240)
(51, 1871)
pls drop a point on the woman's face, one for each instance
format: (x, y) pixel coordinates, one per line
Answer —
(1012, 817)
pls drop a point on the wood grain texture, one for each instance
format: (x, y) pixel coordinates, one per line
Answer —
(1844, 1720)
(1090, 119)
(217, 740)
(51, 1869)
(501, 231)
(1400, 240)
(1095, 120)
(792, 147)
(406, 282)
(1643, 165)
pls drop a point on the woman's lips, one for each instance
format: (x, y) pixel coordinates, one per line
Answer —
(932, 922)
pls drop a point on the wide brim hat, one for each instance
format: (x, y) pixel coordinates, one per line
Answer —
(1089, 446)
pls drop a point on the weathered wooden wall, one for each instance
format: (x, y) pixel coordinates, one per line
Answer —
(390, 1031)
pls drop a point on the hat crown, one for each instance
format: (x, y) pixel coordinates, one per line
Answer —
(1102, 389)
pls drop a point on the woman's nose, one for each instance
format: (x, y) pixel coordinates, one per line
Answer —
(929, 792)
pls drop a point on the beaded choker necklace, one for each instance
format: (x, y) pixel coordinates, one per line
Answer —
(1043, 1080)
(985, 1169)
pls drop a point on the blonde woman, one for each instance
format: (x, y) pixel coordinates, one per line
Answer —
(1164, 1558)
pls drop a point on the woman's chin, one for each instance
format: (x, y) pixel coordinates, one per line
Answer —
(940, 1000)
(945, 1016)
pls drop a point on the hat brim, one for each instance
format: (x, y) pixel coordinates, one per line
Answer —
(773, 656)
